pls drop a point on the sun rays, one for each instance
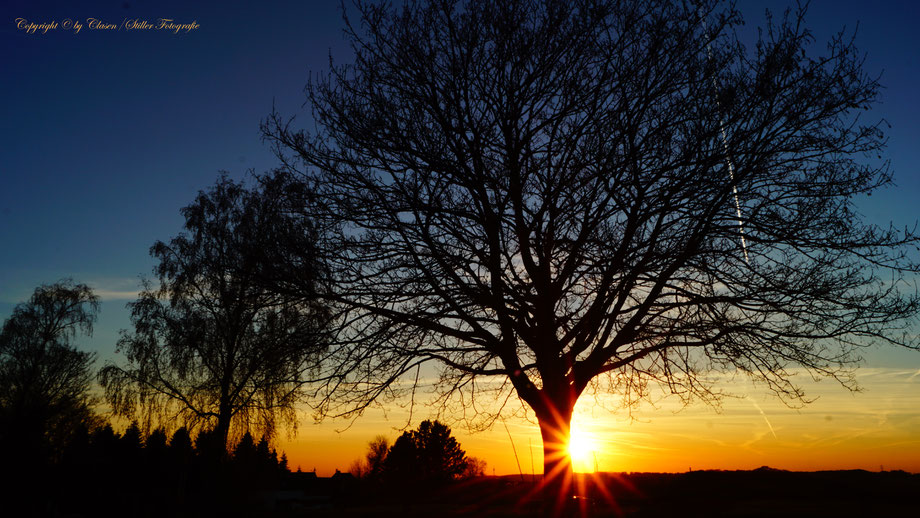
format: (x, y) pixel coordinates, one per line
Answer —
(583, 448)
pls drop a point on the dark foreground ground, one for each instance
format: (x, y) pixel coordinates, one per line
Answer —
(762, 492)
(759, 493)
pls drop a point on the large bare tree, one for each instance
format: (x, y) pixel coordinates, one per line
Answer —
(211, 347)
(607, 193)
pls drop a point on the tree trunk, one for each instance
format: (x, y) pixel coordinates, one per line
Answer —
(555, 426)
(223, 425)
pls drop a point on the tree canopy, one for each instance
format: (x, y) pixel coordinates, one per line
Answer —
(211, 347)
(550, 196)
(44, 379)
(429, 454)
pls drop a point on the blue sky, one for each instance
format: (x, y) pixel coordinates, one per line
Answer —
(105, 135)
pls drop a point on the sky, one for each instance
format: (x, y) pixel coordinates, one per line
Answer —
(106, 134)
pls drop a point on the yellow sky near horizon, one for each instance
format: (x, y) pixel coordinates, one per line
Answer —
(878, 427)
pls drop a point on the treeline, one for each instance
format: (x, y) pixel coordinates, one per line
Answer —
(62, 457)
(101, 471)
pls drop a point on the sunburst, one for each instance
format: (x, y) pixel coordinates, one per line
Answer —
(582, 448)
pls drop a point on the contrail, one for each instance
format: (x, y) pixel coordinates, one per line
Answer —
(731, 176)
(770, 426)
(728, 157)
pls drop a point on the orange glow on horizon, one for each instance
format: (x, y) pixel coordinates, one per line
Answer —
(878, 428)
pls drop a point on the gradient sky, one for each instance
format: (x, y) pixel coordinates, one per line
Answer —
(105, 135)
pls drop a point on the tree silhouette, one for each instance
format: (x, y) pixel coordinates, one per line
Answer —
(106, 473)
(180, 445)
(429, 454)
(475, 467)
(44, 380)
(370, 466)
(402, 462)
(210, 345)
(245, 451)
(376, 455)
(557, 197)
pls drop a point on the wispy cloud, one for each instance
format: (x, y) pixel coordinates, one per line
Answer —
(105, 294)
(115, 288)
(15, 291)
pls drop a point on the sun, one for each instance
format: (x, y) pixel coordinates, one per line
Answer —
(582, 449)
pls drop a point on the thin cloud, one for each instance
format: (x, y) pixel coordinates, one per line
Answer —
(105, 289)
(116, 294)
(115, 288)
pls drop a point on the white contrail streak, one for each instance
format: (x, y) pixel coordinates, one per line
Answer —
(728, 157)
(731, 176)
(764, 415)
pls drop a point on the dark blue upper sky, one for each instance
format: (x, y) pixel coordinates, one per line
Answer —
(106, 134)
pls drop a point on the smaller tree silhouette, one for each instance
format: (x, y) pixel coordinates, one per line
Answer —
(211, 347)
(283, 464)
(429, 454)
(157, 461)
(475, 467)
(44, 379)
(181, 454)
(371, 466)
(402, 461)
(376, 455)
(180, 445)
(244, 454)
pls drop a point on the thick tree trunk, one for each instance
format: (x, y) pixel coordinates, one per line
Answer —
(223, 424)
(223, 432)
(555, 426)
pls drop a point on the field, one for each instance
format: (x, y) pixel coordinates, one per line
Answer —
(759, 493)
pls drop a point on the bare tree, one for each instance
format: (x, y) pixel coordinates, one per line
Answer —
(376, 455)
(44, 379)
(475, 467)
(556, 196)
(371, 466)
(210, 346)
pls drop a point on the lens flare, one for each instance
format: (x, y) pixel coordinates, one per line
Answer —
(582, 448)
